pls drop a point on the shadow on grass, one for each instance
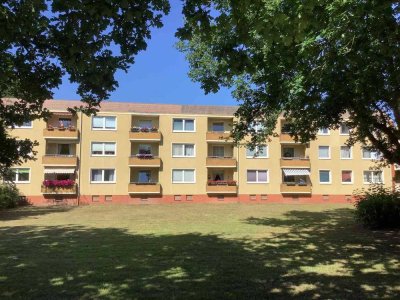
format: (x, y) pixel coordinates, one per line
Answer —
(315, 255)
(31, 211)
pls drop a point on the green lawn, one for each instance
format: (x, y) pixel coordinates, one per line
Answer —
(195, 251)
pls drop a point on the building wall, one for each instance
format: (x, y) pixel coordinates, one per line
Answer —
(125, 174)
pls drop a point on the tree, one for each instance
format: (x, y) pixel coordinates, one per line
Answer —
(320, 63)
(41, 41)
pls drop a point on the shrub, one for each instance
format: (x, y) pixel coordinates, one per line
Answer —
(9, 196)
(378, 207)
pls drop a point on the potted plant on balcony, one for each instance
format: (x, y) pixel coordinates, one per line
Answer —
(135, 129)
(71, 128)
(154, 129)
(144, 129)
(231, 182)
(50, 127)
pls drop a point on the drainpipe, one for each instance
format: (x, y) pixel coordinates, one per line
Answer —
(238, 171)
(79, 158)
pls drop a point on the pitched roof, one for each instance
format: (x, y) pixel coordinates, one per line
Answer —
(146, 108)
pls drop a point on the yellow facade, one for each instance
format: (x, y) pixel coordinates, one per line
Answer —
(150, 160)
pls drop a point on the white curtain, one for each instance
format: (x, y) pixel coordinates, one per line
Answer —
(189, 150)
(177, 149)
(177, 175)
(178, 124)
(110, 122)
(109, 148)
(96, 175)
(189, 125)
(189, 175)
(97, 122)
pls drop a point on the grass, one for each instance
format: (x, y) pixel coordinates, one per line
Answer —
(196, 251)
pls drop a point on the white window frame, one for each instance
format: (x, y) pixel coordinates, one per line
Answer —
(322, 133)
(256, 150)
(351, 153)
(258, 182)
(352, 176)
(102, 176)
(330, 176)
(183, 156)
(371, 171)
(340, 130)
(104, 123)
(17, 179)
(183, 124)
(24, 127)
(183, 182)
(378, 154)
(329, 150)
(103, 143)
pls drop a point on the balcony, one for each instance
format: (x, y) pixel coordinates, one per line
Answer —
(144, 188)
(60, 133)
(295, 162)
(144, 134)
(145, 160)
(293, 188)
(219, 136)
(59, 160)
(221, 162)
(286, 138)
(221, 187)
(59, 190)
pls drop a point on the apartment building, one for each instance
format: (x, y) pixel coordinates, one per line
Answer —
(157, 153)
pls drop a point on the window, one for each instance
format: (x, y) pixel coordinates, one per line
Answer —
(103, 149)
(108, 198)
(373, 177)
(218, 126)
(95, 198)
(347, 176)
(324, 152)
(177, 197)
(253, 197)
(257, 127)
(325, 197)
(183, 150)
(344, 129)
(218, 151)
(104, 123)
(64, 122)
(26, 124)
(64, 149)
(183, 176)
(264, 197)
(145, 124)
(182, 125)
(257, 176)
(370, 154)
(323, 131)
(189, 197)
(345, 152)
(144, 149)
(102, 175)
(259, 151)
(19, 175)
(324, 176)
(144, 176)
(288, 152)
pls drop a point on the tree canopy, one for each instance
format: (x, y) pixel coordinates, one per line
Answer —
(320, 63)
(86, 40)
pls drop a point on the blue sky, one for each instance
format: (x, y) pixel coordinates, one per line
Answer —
(159, 74)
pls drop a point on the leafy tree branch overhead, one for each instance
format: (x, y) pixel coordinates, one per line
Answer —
(319, 62)
(40, 41)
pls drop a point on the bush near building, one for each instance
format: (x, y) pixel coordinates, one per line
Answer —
(378, 207)
(9, 196)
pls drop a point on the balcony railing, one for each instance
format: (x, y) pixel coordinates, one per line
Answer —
(60, 190)
(144, 188)
(220, 162)
(219, 136)
(144, 160)
(60, 133)
(144, 134)
(221, 187)
(295, 188)
(296, 162)
(59, 160)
